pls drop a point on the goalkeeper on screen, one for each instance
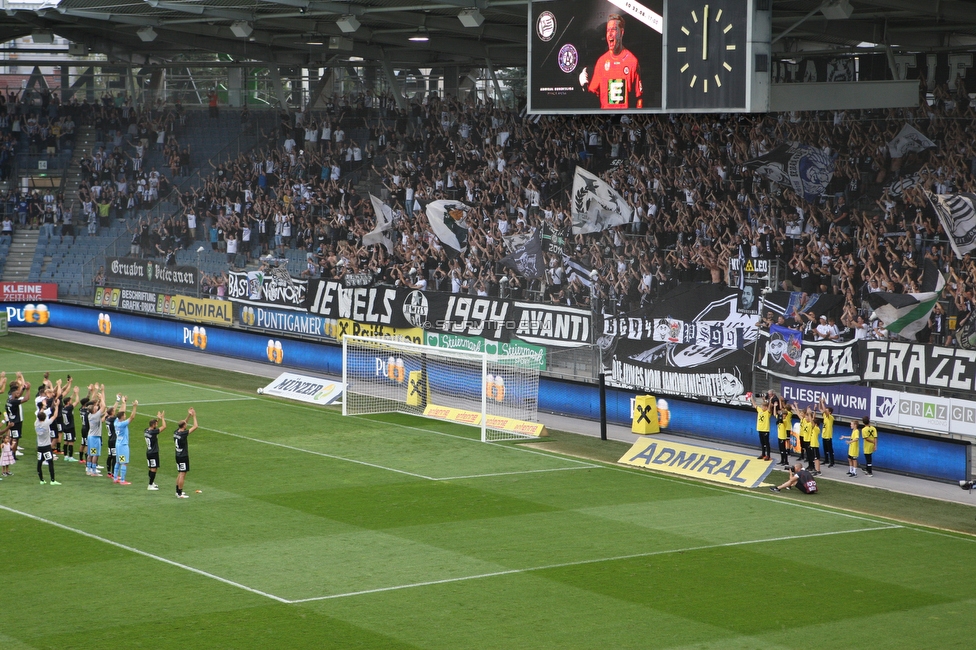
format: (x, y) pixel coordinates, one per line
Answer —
(616, 76)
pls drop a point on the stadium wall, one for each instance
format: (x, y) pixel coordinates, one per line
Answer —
(926, 456)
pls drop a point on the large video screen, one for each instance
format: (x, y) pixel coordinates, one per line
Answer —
(588, 56)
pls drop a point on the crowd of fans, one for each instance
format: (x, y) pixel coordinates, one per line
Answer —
(696, 204)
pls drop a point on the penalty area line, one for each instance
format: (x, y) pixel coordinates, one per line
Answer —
(561, 565)
(151, 556)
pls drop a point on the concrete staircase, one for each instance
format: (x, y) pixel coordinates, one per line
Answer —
(21, 255)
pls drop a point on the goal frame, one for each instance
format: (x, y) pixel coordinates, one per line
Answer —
(482, 360)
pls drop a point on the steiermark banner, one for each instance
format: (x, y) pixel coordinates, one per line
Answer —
(532, 356)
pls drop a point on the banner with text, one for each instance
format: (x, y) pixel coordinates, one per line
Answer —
(530, 356)
(267, 289)
(28, 291)
(918, 365)
(716, 374)
(288, 322)
(821, 363)
(847, 400)
(134, 269)
(491, 318)
(697, 462)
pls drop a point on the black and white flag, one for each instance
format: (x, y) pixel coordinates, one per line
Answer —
(908, 140)
(957, 213)
(527, 259)
(806, 169)
(596, 206)
(384, 222)
(578, 270)
(447, 220)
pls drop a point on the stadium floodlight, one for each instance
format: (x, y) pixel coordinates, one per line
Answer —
(421, 36)
(348, 24)
(471, 17)
(147, 34)
(241, 28)
(499, 394)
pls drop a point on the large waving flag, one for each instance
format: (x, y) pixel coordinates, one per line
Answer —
(384, 223)
(527, 259)
(806, 169)
(906, 314)
(957, 212)
(596, 205)
(908, 140)
(447, 221)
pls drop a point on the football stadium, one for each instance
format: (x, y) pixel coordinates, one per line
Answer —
(488, 323)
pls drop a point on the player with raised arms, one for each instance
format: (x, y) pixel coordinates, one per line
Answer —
(183, 451)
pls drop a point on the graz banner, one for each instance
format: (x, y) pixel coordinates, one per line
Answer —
(267, 289)
(915, 365)
(716, 374)
(486, 317)
(821, 363)
(923, 412)
(133, 269)
(691, 314)
(289, 322)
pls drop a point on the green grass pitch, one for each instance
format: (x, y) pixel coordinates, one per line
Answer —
(318, 531)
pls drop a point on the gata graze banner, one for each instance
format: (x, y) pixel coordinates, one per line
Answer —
(28, 291)
(716, 374)
(915, 365)
(267, 290)
(821, 363)
(495, 319)
(134, 269)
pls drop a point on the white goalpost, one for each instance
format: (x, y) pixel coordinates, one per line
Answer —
(498, 394)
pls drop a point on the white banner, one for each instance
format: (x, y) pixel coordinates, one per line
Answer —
(303, 388)
(923, 412)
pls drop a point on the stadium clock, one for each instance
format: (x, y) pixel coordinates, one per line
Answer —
(706, 54)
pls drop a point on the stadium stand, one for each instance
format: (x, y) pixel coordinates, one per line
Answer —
(302, 194)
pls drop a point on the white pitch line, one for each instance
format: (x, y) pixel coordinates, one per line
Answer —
(133, 374)
(198, 401)
(320, 453)
(151, 556)
(526, 471)
(561, 565)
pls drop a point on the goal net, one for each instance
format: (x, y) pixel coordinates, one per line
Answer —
(498, 394)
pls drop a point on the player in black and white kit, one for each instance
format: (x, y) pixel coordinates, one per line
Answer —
(156, 426)
(110, 418)
(42, 426)
(19, 393)
(183, 452)
(67, 424)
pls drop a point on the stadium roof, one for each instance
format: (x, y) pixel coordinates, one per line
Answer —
(297, 32)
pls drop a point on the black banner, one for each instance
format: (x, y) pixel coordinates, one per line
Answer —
(481, 316)
(914, 365)
(694, 314)
(266, 289)
(818, 363)
(133, 269)
(714, 374)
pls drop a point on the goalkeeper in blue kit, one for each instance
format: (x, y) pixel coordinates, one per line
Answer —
(122, 442)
